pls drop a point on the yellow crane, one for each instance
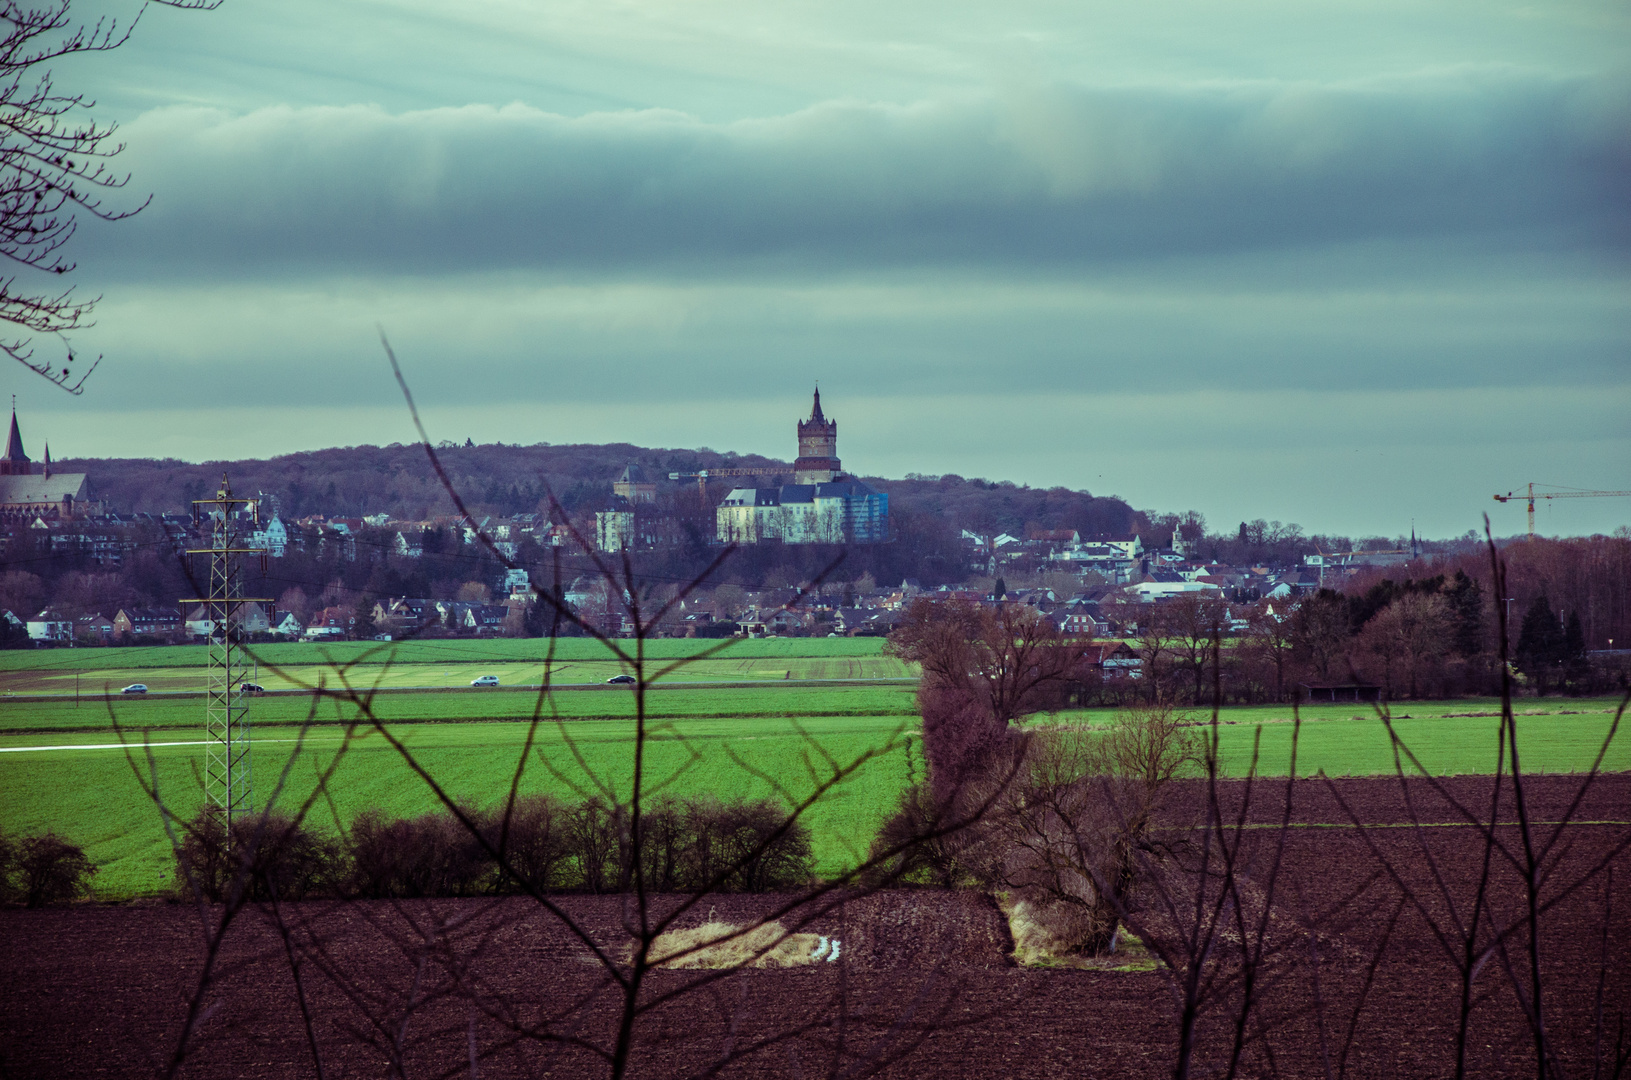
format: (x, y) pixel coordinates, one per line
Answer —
(1532, 495)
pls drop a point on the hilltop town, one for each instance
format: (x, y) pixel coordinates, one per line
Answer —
(817, 552)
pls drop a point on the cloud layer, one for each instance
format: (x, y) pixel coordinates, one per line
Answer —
(1049, 175)
(1347, 263)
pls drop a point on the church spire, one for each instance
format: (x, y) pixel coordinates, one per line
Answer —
(15, 461)
(47, 460)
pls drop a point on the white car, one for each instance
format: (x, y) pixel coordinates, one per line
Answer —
(485, 680)
(135, 688)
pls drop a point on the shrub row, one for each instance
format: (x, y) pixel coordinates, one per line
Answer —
(548, 846)
(40, 870)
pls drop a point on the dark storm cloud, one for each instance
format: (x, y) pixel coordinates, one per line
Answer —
(1039, 176)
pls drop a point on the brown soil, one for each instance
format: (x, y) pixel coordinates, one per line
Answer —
(923, 986)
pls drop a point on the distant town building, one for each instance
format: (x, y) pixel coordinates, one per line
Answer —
(142, 622)
(635, 486)
(822, 506)
(614, 529)
(273, 537)
(51, 628)
(27, 493)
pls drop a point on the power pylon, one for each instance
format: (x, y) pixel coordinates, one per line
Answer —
(227, 778)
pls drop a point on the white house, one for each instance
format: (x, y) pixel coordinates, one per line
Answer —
(198, 622)
(273, 537)
(51, 627)
(517, 582)
(614, 530)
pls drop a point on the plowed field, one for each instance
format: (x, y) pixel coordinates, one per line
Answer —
(923, 985)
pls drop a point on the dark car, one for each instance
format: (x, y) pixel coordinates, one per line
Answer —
(621, 679)
(251, 688)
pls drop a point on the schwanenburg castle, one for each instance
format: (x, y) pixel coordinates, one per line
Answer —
(820, 506)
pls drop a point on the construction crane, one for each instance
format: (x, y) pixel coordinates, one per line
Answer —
(705, 475)
(1532, 495)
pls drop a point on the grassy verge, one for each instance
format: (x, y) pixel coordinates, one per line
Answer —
(489, 650)
(95, 682)
(98, 715)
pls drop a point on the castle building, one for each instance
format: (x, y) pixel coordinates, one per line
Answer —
(635, 486)
(818, 448)
(822, 506)
(25, 493)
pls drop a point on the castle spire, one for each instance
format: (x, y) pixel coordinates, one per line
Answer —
(817, 462)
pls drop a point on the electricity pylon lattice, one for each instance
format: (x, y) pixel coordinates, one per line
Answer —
(227, 778)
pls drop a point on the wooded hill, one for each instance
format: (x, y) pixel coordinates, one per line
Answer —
(502, 480)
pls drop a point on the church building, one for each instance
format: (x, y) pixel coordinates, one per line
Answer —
(821, 506)
(26, 493)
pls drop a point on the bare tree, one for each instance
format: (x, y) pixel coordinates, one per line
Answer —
(984, 668)
(1063, 835)
(1269, 639)
(1411, 634)
(53, 164)
(1194, 621)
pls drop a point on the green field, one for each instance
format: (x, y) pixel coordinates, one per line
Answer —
(82, 787)
(1554, 736)
(92, 795)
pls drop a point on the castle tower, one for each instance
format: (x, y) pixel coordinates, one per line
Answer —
(818, 448)
(15, 462)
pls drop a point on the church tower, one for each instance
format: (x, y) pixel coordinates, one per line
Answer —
(15, 462)
(818, 448)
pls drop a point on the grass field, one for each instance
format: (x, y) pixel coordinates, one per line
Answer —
(78, 784)
(92, 795)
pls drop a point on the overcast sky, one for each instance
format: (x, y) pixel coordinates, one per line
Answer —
(1353, 264)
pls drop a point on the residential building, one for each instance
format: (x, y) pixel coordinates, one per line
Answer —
(272, 537)
(331, 622)
(614, 530)
(247, 618)
(97, 629)
(147, 622)
(486, 619)
(51, 627)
